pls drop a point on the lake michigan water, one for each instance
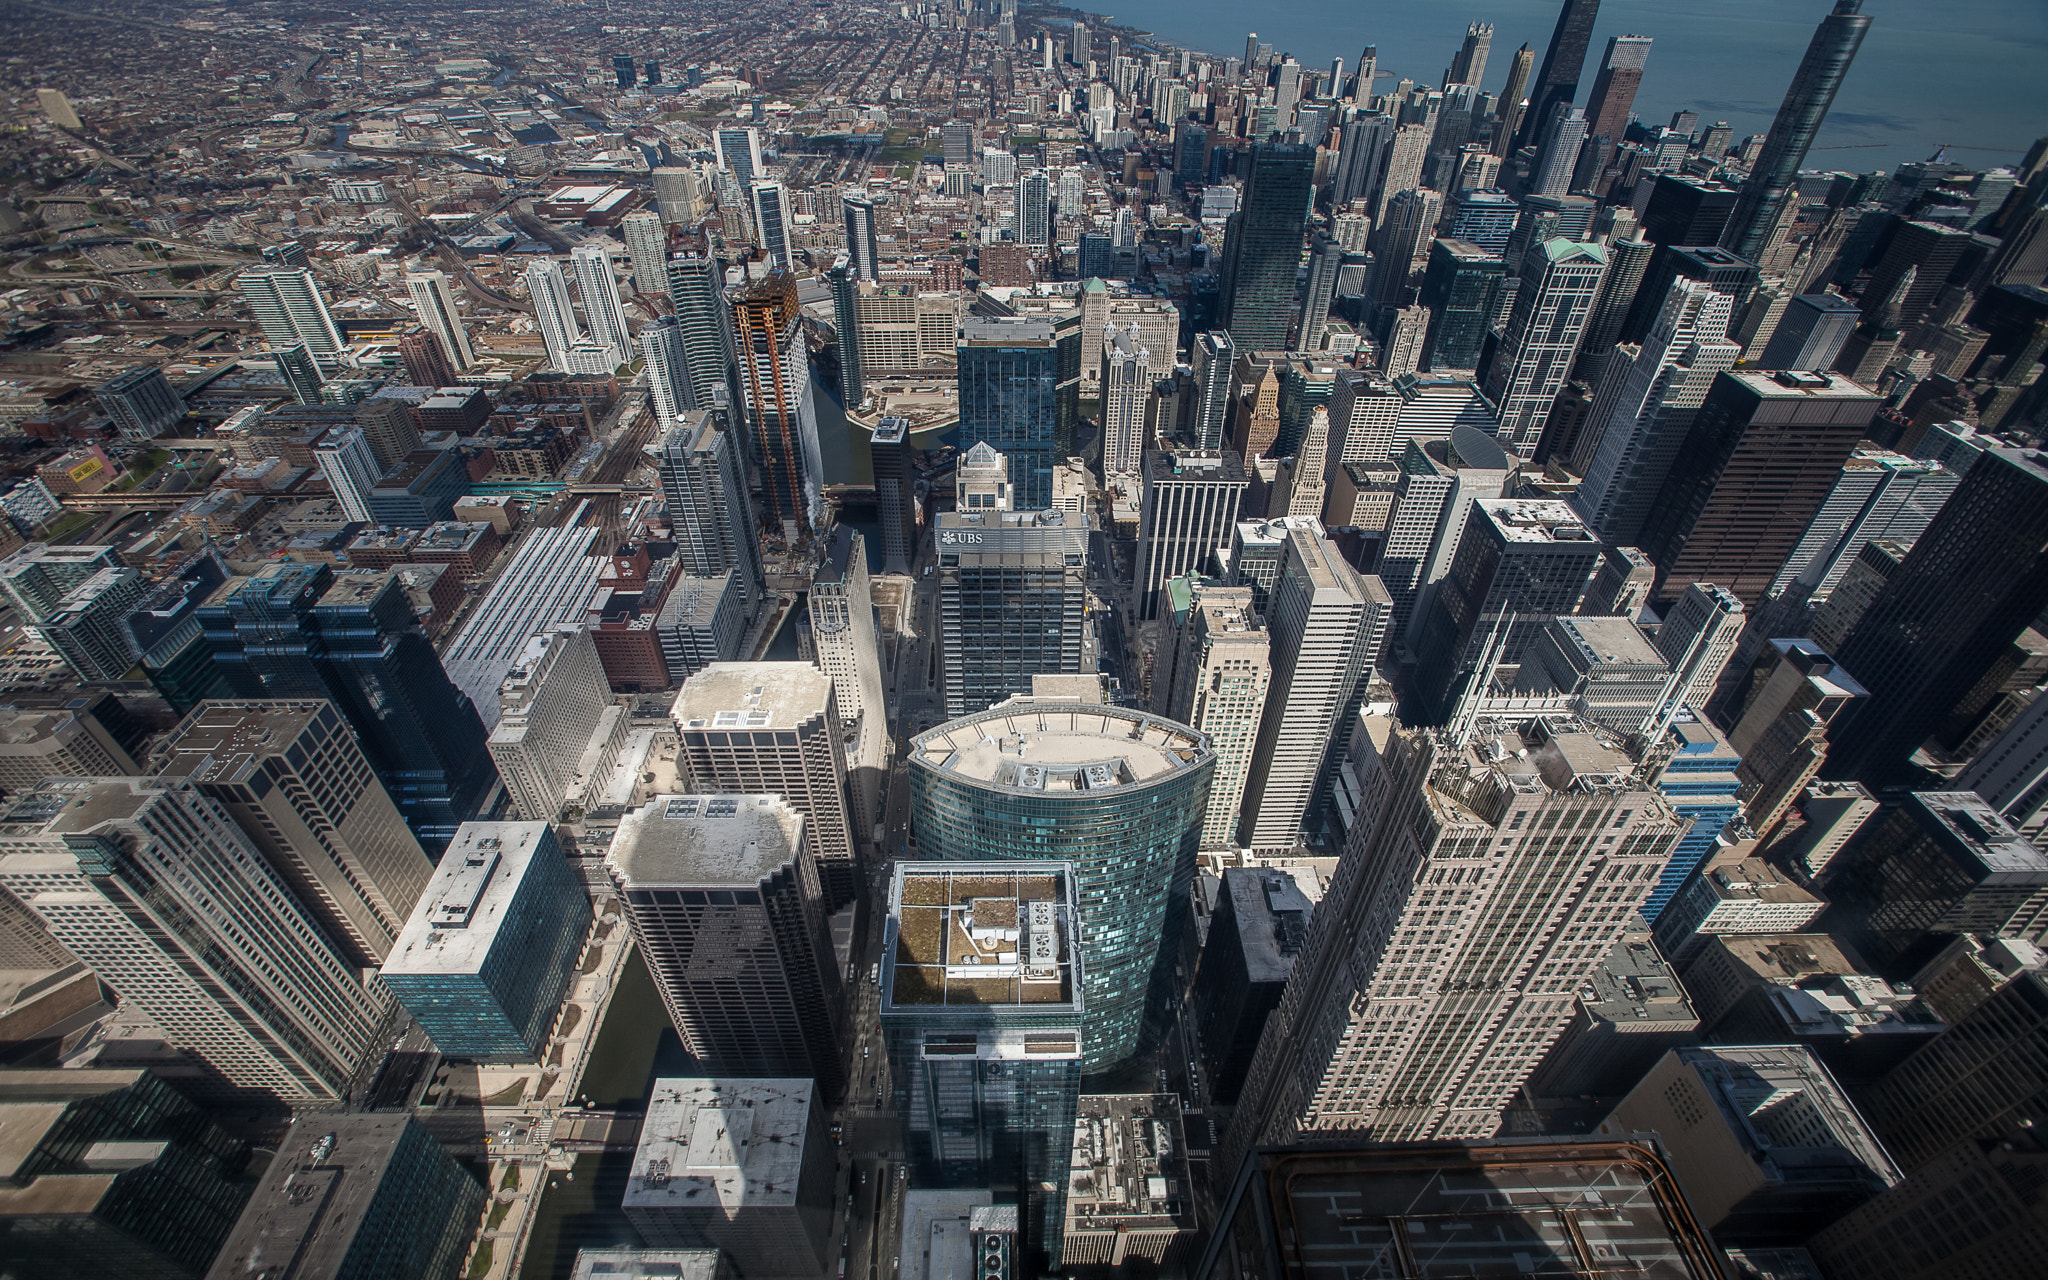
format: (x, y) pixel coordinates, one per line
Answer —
(1969, 73)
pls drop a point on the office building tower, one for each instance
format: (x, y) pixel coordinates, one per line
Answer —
(141, 403)
(61, 742)
(599, 288)
(1943, 863)
(1762, 453)
(1764, 1139)
(2008, 771)
(1361, 148)
(1879, 495)
(774, 224)
(663, 350)
(1458, 287)
(1785, 725)
(1468, 66)
(356, 1195)
(646, 251)
(1015, 396)
(425, 359)
(1686, 210)
(1327, 623)
(1833, 813)
(846, 300)
(1189, 504)
(86, 627)
(435, 302)
(1697, 639)
(287, 305)
(797, 753)
(390, 427)
(1644, 409)
(489, 953)
(1303, 474)
(1222, 669)
(1560, 279)
(1325, 264)
(1255, 934)
(350, 468)
(160, 892)
(552, 311)
(1632, 1012)
(1440, 480)
(421, 490)
(1811, 333)
(1611, 104)
(552, 702)
(858, 214)
(1627, 259)
(981, 481)
(1262, 247)
(1558, 159)
(1481, 887)
(723, 896)
(678, 196)
(843, 635)
(1116, 793)
(738, 148)
(1700, 780)
(1622, 584)
(1563, 62)
(292, 777)
(895, 493)
(1215, 355)
(1774, 175)
(1013, 591)
(1519, 563)
(981, 1010)
(1513, 102)
(624, 70)
(1406, 233)
(1485, 218)
(703, 480)
(1607, 665)
(696, 289)
(1126, 388)
(743, 1166)
(775, 390)
(1973, 581)
(298, 631)
(116, 1171)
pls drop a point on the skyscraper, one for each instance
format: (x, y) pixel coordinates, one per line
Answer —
(1034, 210)
(1761, 455)
(1188, 505)
(1483, 881)
(1880, 495)
(774, 224)
(1458, 288)
(161, 892)
(738, 148)
(696, 290)
(1115, 792)
(1974, 580)
(552, 702)
(846, 290)
(1013, 596)
(1262, 247)
(679, 195)
(1440, 480)
(1468, 66)
(552, 311)
(435, 302)
(895, 493)
(1215, 355)
(723, 896)
(775, 390)
(1126, 388)
(1558, 159)
(1405, 236)
(1774, 177)
(141, 402)
(1811, 333)
(1560, 280)
(1513, 103)
(425, 359)
(798, 753)
(1785, 723)
(293, 778)
(1011, 374)
(1609, 106)
(1697, 639)
(703, 480)
(843, 633)
(647, 250)
(287, 304)
(1361, 148)
(1222, 671)
(858, 212)
(599, 288)
(301, 373)
(1327, 624)
(1563, 62)
(1325, 263)
(667, 361)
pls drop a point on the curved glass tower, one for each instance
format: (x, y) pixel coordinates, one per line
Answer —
(1115, 792)
(1799, 117)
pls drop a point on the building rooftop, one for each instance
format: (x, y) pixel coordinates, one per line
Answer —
(456, 922)
(891, 431)
(980, 934)
(224, 742)
(646, 1264)
(721, 1145)
(1969, 825)
(752, 695)
(1609, 641)
(1754, 880)
(705, 840)
(1775, 1099)
(938, 1226)
(1129, 1169)
(1271, 906)
(315, 1195)
(1794, 385)
(1535, 521)
(1029, 745)
(1636, 983)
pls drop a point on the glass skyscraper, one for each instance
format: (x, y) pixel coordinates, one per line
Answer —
(1013, 396)
(1262, 249)
(1115, 792)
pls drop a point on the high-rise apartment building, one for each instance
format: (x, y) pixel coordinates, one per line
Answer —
(738, 148)
(1222, 671)
(160, 891)
(843, 635)
(679, 195)
(791, 746)
(1188, 506)
(724, 899)
(1560, 280)
(1327, 623)
(666, 357)
(485, 960)
(858, 214)
(1262, 247)
(774, 223)
(1406, 234)
(1973, 581)
(1126, 390)
(696, 290)
(141, 402)
(286, 303)
(646, 250)
(1013, 597)
(350, 468)
(1116, 793)
(845, 285)
(552, 311)
(1486, 876)
(598, 286)
(1774, 176)
(292, 777)
(1759, 460)
(435, 302)
(775, 390)
(87, 628)
(1215, 356)
(552, 702)
(895, 493)
(1609, 106)
(1014, 395)
(703, 479)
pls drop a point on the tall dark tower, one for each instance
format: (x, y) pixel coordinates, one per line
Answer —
(1263, 248)
(1806, 105)
(1558, 81)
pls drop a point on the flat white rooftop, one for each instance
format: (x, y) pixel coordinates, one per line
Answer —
(456, 921)
(705, 840)
(715, 1144)
(1041, 746)
(752, 695)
